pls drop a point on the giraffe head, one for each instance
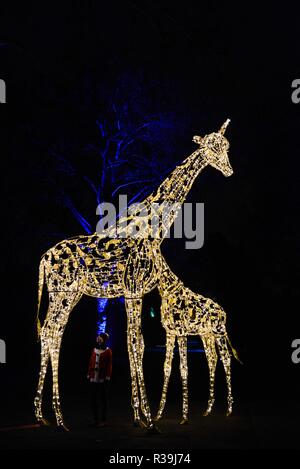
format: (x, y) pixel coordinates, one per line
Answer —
(215, 147)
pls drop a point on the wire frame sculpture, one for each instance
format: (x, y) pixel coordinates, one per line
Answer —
(126, 262)
(185, 313)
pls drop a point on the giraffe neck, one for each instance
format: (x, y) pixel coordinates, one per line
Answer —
(162, 206)
(168, 282)
(171, 194)
(175, 188)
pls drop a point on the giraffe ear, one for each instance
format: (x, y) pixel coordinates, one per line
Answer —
(197, 138)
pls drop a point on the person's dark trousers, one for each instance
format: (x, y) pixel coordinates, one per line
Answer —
(99, 400)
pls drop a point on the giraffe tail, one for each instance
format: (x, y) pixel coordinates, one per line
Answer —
(40, 291)
(234, 352)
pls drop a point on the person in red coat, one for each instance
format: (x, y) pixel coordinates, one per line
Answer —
(99, 373)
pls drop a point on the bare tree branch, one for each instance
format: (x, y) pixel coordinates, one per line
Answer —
(130, 183)
(77, 215)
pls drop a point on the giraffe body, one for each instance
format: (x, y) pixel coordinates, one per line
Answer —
(95, 265)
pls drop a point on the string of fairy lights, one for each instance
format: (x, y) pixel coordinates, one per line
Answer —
(185, 313)
(122, 263)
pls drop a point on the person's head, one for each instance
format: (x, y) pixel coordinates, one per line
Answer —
(102, 339)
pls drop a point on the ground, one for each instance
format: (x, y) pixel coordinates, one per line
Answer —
(254, 425)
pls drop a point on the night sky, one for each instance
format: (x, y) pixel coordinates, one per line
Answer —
(201, 64)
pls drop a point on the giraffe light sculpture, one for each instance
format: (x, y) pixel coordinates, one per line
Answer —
(184, 313)
(116, 263)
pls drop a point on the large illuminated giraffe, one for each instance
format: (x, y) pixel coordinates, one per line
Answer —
(185, 313)
(129, 265)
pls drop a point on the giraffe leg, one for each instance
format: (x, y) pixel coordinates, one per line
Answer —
(63, 307)
(134, 309)
(135, 402)
(141, 357)
(45, 355)
(212, 358)
(167, 373)
(54, 354)
(182, 344)
(226, 360)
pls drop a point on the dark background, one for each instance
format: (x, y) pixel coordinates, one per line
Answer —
(216, 61)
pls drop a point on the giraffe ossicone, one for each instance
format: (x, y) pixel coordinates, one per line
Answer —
(101, 267)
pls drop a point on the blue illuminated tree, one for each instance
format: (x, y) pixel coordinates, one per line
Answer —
(133, 150)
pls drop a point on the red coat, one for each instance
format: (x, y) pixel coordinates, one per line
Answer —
(105, 365)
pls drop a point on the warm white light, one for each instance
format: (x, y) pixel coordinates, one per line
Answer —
(129, 266)
(185, 313)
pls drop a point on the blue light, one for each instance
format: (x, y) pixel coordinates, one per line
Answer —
(101, 323)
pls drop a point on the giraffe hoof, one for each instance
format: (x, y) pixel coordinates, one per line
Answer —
(156, 418)
(183, 421)
(206, 413)
(153, 430)
(62, 428)
(228, 413)
(44, 423)
(139, 423)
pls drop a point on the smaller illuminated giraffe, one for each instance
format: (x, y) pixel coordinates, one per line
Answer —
(184, 313)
